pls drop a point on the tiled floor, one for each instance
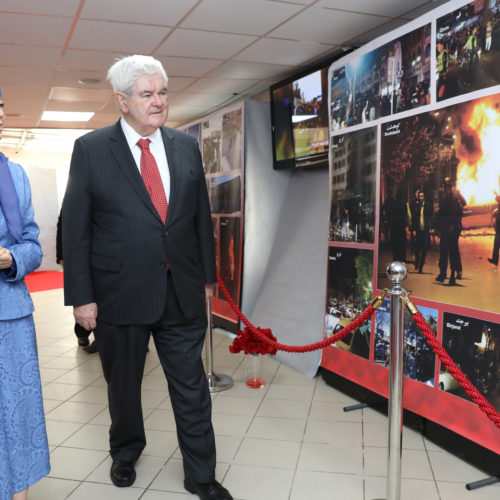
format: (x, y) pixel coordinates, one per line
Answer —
(288, 440)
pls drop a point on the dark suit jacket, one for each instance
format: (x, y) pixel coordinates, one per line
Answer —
(115, 244)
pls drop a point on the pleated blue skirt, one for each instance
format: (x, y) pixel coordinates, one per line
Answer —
(24, 451)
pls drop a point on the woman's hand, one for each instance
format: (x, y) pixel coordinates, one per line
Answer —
(5, 258)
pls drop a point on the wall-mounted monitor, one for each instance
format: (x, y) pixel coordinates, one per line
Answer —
(299, 115)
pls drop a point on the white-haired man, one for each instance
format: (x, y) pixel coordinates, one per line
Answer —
(139, 261)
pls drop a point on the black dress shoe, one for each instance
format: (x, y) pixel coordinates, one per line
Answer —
(207, 491)
(92, 348)
(122, 473)
(491, 261)
(83, 341)
(440, 278)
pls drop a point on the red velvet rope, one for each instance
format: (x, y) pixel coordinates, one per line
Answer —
(252, 336)
(455, 371)
(259, 335)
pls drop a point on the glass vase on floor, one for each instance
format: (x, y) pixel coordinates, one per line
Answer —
(255, 371)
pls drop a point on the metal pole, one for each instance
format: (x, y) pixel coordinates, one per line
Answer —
(216, 383)
(397, 273)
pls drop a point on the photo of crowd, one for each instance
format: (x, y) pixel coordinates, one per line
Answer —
(211, 132)
(474, 345)
(232, 141)
(439, 199)
(419, 360)
(468, 49)
(353, 179)
(310, 114)
(349, 292)
(390, 79)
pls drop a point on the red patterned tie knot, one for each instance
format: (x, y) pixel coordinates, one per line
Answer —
(152, 179)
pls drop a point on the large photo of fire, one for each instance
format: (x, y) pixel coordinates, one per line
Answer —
(439, 203)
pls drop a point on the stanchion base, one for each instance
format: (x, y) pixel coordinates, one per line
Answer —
(218, 383)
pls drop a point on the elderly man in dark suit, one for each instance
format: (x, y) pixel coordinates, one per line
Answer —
(139, 261)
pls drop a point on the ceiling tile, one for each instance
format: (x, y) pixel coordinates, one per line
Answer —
(221, 85)
(193, 43)
(389, 8)
(240, 69)
(20, 91)
(34, 76)
(46, 7)
(164, 13)
(375, 33)
(207, 100)
(40, 31)
(90, 60)
(288, 52)
(73, 106)
(21, 122)
(70, 77)
(71, 94)
(186, 66)
(178, 83)
(239, 16)
(37, 57)
(316, 25)
(424, 9)
(25, 107)
(133, 38)
(185, 113)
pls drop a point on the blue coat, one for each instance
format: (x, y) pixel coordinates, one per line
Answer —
(15, 300)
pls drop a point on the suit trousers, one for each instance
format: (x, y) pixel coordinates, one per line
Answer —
(179, 343)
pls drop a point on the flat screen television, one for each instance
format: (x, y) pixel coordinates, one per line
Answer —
(299, 115)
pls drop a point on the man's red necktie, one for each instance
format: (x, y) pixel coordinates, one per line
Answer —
(152, 179)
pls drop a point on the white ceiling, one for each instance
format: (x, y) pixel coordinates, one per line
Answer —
(215, 51)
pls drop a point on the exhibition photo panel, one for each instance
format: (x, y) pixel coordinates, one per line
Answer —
(349, 293)
(353, 179)
(438, 201)
(221, 140)
(468, 49)
(393, 78)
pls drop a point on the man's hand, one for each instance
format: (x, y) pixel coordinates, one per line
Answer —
(209, 290)
(86, 315)
(5, 258)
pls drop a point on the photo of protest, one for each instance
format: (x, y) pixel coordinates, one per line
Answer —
(390, 79)
(353, 180)
(349, 292)
(211, 131)
(419, 359)
(232, 141)
(310, 114)
(473, 344)
(439, 196)
(468, 49)
(225, 194)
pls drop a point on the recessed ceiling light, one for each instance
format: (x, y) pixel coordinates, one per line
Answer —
(67, 116)
(89, 81)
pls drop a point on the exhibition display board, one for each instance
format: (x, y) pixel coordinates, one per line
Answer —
(220, 138)
(415, 176)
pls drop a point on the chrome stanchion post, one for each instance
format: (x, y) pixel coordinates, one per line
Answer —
(397, 273)
(216, 382)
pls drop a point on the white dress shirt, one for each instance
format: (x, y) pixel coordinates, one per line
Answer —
(156, 147)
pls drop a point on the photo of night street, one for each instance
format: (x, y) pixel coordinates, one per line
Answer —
(439, 203)
(468, 49)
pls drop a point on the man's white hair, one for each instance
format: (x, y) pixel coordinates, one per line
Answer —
(124, 72)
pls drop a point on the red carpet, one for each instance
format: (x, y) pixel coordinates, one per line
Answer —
(44, 280)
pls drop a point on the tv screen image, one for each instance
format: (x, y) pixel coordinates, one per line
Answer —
(299, 111)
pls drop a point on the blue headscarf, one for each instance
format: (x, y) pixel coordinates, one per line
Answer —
(9, 201)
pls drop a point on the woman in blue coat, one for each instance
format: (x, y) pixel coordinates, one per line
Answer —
(24, 454)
